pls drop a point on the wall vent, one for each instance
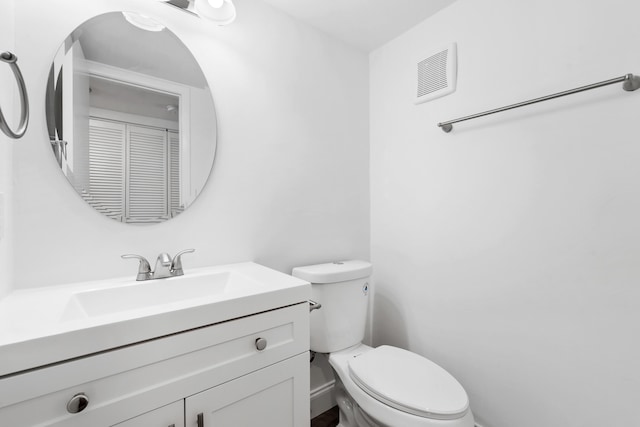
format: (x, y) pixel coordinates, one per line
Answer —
(436, 74)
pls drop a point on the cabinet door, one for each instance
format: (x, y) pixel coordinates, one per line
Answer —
(275, 396)
(168, 416)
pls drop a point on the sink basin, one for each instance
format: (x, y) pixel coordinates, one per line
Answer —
(151, 293)
(46, 325)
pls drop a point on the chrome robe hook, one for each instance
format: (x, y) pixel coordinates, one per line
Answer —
(11, 59)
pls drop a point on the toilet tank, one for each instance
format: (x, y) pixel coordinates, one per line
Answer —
(343, 290)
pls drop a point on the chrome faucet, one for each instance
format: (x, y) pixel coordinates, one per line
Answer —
(165, 265)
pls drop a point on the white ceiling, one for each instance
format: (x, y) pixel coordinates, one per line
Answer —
(365, 24)
(110, 39)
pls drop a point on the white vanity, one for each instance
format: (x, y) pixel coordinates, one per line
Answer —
(223, 346)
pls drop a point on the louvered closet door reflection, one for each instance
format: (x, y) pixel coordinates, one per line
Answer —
(147, 174)
(174, 173)
(106, 168)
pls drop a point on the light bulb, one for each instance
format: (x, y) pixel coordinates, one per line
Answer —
(222, 12)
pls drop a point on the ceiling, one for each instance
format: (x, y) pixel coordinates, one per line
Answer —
(110, 39)
(364, 24)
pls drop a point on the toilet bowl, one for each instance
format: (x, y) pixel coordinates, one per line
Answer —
(376, 387)
(396, 388)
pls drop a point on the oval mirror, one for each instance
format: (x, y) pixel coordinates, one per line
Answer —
(130, 118)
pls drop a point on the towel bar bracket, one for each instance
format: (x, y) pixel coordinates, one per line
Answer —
(631, 82)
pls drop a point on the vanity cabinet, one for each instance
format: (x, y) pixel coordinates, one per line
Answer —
(248, 371)
(273, 396)
(171, 415)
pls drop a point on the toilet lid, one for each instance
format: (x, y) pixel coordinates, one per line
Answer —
(409, 382)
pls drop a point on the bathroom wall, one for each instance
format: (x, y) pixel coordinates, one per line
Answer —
(289, 185)
(7, 102)
(508, 250)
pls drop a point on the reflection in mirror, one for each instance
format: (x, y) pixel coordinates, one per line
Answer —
(130, 118)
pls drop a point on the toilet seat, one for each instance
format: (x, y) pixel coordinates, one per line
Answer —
(409, 382)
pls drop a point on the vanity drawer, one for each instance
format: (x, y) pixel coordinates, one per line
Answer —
(126, 382)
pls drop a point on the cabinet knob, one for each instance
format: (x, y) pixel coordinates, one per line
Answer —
(261, 344)
(78, 403)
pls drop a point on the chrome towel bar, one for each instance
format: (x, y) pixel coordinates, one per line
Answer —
(12, 60)
(629, 83)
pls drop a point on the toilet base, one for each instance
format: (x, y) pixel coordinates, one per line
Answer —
(351, 415)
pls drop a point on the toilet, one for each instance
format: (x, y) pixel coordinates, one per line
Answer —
(375, 387)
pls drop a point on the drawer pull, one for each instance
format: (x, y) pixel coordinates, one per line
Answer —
(172, 425)
(78, 403)
(201, 419)
(261, 344)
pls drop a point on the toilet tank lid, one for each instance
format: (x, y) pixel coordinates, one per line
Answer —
(339, 271)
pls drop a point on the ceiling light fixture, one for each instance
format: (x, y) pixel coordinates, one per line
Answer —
(222, 12)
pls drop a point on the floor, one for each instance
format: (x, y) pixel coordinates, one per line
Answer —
(326, 419)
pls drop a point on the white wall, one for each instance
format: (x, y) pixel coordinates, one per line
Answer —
(508, 251)
(200, 128)
(289, 185)
(7, 102)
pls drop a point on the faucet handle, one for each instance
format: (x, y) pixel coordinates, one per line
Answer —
(176, 263)
(144, 269)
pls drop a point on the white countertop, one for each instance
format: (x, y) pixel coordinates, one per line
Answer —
(42, 326)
